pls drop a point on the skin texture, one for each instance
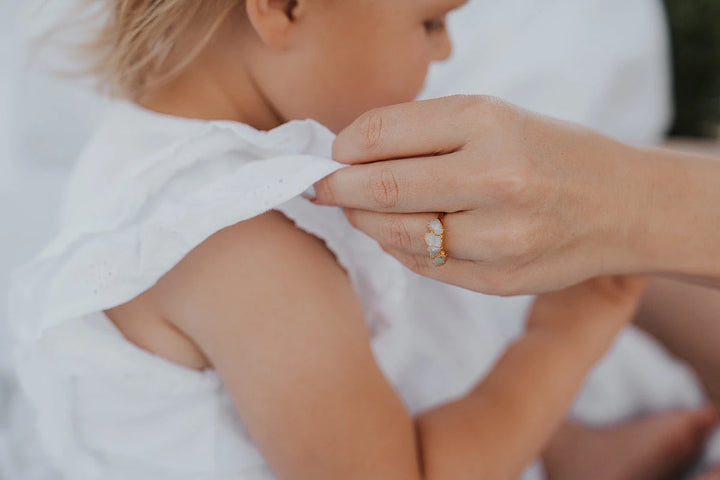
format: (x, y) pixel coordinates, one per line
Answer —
(268, 307)
(534, 204)
(686, 319)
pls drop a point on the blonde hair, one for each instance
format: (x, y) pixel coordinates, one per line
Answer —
(137, 44)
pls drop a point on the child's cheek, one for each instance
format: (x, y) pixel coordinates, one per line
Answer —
(410, 81)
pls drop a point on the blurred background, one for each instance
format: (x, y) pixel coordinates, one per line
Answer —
(644, 71)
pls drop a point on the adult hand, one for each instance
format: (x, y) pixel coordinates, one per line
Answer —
(533, 204)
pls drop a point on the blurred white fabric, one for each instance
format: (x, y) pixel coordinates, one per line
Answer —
(44, 122)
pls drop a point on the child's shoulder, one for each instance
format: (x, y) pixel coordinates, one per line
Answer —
(263, 268)
(150, 191)
(267, 249)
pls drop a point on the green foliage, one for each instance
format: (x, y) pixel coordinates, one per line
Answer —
(695, 30)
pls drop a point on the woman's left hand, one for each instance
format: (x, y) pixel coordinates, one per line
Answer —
(533, 204)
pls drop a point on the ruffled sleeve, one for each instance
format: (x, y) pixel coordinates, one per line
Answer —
(150, 188)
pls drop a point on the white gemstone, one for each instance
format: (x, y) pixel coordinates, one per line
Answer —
(438, 261)
(436, 226)
(433, 240)
(434, 251)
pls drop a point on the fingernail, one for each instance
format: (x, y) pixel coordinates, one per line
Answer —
(310, 193)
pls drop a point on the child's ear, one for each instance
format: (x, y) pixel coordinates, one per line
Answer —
(274, 19)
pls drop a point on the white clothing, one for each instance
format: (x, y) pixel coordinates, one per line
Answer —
(148, 189)
(600, 63)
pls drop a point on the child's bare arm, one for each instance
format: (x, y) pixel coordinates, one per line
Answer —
(685, 318)
(502, 424)
(278, 319)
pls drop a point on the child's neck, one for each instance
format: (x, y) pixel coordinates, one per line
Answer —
(197, 93)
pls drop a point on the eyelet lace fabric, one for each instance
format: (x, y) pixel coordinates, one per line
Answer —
(147, 190)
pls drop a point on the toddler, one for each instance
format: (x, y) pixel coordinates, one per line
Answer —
(197, 319)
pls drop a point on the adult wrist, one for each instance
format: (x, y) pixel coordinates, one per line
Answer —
(677, 227)
(622, 201)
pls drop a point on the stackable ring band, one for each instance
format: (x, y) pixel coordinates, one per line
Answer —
(434, 239)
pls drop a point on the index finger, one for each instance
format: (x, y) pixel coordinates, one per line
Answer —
(412, 129)
(424, 184)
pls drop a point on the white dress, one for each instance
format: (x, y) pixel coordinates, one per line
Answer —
(146, 191)
(72, 357)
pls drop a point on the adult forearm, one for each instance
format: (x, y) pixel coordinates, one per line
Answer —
(678, 232)
(498, 428)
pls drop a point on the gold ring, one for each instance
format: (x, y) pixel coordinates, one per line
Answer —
(434, 239)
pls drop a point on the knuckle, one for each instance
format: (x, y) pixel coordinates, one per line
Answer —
(511, 245)
(488, 100)
(370, 127)
(463, 101)
(384, 188)
(484, 103)
(468, 106)
(492, 104)
(495, 115)
(395, 234)
(511, 185)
